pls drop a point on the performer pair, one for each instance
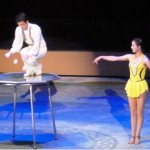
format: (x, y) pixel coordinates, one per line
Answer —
(136, 86)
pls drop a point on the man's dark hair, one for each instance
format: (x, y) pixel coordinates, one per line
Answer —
(21, 17)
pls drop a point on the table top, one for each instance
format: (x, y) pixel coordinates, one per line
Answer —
(18, 78)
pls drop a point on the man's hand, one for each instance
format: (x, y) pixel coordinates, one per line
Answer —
(8, 54)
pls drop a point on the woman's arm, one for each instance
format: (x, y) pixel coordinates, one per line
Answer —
(147, 62)
(113, 58)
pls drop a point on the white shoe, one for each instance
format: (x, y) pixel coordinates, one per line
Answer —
(38, 74)
(27, 74)
(29, 71)
(38, 70)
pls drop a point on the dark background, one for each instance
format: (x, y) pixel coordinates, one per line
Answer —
(95, 25)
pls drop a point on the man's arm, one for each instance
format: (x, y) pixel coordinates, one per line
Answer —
(18, 41)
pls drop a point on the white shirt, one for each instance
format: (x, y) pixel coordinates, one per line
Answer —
(32, 36)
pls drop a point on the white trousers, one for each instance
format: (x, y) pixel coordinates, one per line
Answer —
(31, 64)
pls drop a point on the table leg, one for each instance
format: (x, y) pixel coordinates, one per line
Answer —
(32, 114)
(52, 113)
(14, 113)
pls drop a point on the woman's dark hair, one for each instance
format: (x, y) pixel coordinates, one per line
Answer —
(138, 41)
(21, 17)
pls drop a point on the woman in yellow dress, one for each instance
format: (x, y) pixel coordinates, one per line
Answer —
(136, 87)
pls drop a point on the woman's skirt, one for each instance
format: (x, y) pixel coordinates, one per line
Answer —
(135, 89)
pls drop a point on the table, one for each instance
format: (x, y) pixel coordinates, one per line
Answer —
(15, 79)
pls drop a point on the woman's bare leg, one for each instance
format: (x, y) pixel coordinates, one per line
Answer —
(133, 111)
(140, 113)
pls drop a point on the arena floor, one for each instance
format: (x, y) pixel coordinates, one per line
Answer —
(90, 113)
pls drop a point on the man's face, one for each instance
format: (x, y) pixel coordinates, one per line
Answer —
(23, 25)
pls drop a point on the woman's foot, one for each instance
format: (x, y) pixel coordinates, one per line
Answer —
(137, 140)
(132, 140)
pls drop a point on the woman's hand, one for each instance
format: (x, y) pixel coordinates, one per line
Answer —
(97, 59)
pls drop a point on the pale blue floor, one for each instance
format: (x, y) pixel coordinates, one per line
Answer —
(90, 113)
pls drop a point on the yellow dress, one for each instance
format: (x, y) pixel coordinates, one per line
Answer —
(137, 84)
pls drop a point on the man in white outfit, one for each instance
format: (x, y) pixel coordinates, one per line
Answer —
(36, 49)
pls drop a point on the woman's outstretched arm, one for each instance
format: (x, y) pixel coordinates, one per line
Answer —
(113, 58)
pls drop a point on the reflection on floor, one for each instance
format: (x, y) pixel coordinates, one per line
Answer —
(90, 113)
